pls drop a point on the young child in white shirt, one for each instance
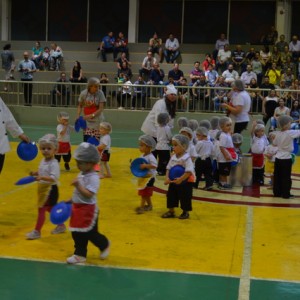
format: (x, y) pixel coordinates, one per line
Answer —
(214, 123)
(191, 149)
(269, 153)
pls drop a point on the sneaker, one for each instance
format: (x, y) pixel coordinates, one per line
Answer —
(139, 210)
(33, 235)
(67, 167)
(76, 259)
(208, 188)
(168, 214)
(104, 254)
(225, 186)
(59, 229)
(148, 207)
(184, 215)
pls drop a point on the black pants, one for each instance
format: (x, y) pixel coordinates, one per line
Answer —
(81, 240)
(282, 178)
(204, 167)
(66, 157)
(141, 97)
(104, 51)
(27, 91)
(163, 159)
(182, 193)
(2, 158)
(239, 127)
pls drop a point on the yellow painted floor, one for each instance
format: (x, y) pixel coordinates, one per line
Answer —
(221, 229)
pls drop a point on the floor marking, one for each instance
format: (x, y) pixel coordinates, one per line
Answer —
(244, 288)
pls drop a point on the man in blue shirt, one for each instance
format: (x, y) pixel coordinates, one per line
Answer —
(107, 45)
(27, 68)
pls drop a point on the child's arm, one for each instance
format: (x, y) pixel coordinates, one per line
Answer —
(101, 147)
(81, 189)
(185, 176)
(147, 166)
(167, 179)
(225, 153)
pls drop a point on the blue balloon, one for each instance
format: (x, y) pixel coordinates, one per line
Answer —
(296, 147)
(176, 172)
(94, 141)
(27, 151)
(135, 167)
(60, 213)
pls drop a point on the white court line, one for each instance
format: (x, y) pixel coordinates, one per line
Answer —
(244, 288)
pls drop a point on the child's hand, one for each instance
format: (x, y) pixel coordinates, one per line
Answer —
(75, 182)
(33, 173)
(143, 166)
(167, 181)
(177, 180)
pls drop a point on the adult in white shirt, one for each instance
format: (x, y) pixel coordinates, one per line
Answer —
(248, 75)
(171, 51)
(294, 47)
(164, 105)
(8, 123)
(223, 58)
(241, 104)
(230, 75)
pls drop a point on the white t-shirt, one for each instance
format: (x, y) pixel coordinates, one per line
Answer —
(204, 149)
(49, 168)
(105, 140)
(258, 144)
(64, 137)
(284, 141)
(164, 136)
(241, 99)
(225, 142)
(152, 161)
(185, 161)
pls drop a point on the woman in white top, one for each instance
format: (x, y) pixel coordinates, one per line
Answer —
(279, 111)
(164, 105)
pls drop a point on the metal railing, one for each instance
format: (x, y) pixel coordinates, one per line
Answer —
(135, 97)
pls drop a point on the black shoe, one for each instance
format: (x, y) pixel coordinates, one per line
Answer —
(289, 197)
(168, 214)
(67, 167)
(184, 215)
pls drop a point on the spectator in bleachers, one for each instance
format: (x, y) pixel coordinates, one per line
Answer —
(294, 47)
(295, 114)
(123, 58)
(125, 70)
(211, 75)
(248, 75)
(157, 77)
(265, 55)
(201, 94)
(250, 55)
(270, 103)
(238, 58)
(103, 80)
(139, 93)
(36, 55)
(276, 56)
(223, 58)
(124, 95)
(196, 72)
(288, 77)
(147, 65)
(281, 43)
(266, 86)
(176, 74)
(171, 51)
(121, 45)
(270, 37)
(61, 94)
(285, 54)
(56, 58)
(183, 94)
(27, 68)
(285, 93)
(208, 61)
(8, 63)
(107, 45)
(256, 98)
(155, 46)
(220, 93)
(257, 67)
(220, 44)
(289, 63)
(280, 110)
(76, 76)
(45, 61)
(230, 75)
(274, 74)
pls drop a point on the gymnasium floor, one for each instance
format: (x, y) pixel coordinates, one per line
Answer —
(242, 244)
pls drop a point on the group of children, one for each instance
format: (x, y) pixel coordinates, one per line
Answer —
(84, 216)
(209, 149)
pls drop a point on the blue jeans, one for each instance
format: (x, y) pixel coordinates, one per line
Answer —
(171, 55)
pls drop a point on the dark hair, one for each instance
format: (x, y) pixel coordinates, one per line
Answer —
(171, 108)
(78, 65)
(7, 47)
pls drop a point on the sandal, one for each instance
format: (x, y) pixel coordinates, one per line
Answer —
(168, 214)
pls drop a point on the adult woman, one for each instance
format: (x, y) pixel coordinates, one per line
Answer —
(255, 95)
(279, 111)
(164, 105)
(240, 106)
(269, 104)
(76, 75)
(37, 52)
(91, 101)
(295, 114)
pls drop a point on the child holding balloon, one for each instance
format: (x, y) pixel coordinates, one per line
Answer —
(47, 177)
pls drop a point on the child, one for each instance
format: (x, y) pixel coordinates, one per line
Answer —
(180, 189)
(164, 136)
(182, 122)
(203, 165)
(191, 148)
(237, 140)
(214, 124)
(145, 184)
(63, 136)
(207, 125)
(84, 217)
(269, 153)
(258, 146)
(226, 153)
(193, 124)
(47, 177)
(283, 162)
(104, 149)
